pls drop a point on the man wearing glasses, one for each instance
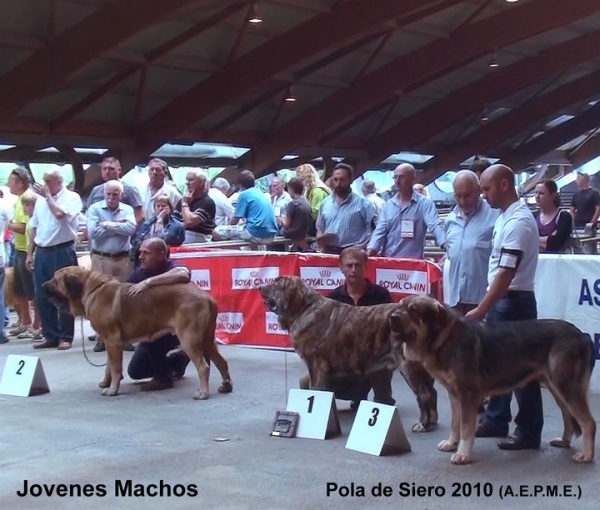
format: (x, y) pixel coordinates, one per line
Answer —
(404, 221)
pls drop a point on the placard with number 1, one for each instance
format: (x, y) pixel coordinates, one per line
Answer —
(318, 413)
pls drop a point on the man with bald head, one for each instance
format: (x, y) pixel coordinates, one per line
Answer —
(468, 228)
(369, 192)
(110, 225)
(510, 297)
(197, 208)
(404, 220)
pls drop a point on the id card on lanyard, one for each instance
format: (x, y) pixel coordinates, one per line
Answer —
(407, 229)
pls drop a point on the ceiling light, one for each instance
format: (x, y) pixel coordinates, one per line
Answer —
(494, 64)
(254, 15)
(511, 1)
(289, 95)
(484, 116)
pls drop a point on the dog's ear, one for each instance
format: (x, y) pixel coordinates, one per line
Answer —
(74, 287)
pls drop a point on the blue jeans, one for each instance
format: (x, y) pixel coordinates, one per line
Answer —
(57, 324)
(515, 306)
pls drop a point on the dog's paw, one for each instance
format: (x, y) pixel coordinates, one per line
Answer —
(104, 383)
(460, 459)
(108, 392)
(583, 457)
(559, 442)
(447, 446)
(419, 427)
(201, 395)
(226, 387)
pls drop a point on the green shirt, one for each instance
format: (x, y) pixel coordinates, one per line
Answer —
(315, 197)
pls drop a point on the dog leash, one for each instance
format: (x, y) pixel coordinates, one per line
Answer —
(84, 352)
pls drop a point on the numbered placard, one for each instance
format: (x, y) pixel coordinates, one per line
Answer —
(318, 413)
(377, 430)
(23, 376)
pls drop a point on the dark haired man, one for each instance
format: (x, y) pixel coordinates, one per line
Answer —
(255, 208)
(345, 218)
(296, 220)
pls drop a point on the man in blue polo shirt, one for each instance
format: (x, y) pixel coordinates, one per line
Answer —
(254, 207)
(150, 359)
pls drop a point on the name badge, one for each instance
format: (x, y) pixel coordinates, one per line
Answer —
(407, 229)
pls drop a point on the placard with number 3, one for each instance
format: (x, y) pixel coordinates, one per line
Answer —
(377, 430)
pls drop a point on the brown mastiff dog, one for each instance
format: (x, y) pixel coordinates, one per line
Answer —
(474, 360)
(337, 340)
(182, 309)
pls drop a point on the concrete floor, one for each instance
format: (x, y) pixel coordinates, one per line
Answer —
(73, 435)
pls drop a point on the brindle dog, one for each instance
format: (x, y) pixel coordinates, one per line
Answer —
(474, 360)
(337, 340)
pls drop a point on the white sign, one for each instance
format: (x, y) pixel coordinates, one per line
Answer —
(201, 277)
(322, 278)
(318, 413)
(23, 376)
(272, 326)
(230, 322)
(403, 281)
(377, 430)
(245, 278)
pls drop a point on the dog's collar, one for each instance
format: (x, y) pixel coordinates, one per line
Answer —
(442, 336)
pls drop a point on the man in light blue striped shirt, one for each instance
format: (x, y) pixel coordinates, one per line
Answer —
(345, 218)
(469, 229)
(404, 220)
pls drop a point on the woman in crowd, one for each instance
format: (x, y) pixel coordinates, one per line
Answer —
(315, 190)
(554, 226)
(163, 225)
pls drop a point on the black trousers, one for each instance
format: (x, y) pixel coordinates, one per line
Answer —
(150, 359)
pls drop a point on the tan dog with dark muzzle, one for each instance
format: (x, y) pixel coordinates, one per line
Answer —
(474, 360)
(183, 309)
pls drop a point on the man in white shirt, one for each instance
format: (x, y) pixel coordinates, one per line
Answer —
(224, 208)
(5, 217)
(279, 197)
(158, 185)
(510, 297)
(54, 231)
(368, 191)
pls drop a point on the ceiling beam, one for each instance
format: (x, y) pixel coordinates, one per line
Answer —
(585, 154)
(307, 40)
(51, 67)
(494, 133)
(554, 138)
(416, 69)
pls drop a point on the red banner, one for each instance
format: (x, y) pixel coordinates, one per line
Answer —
(233, 278)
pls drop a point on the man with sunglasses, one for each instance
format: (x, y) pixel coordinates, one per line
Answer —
(404, 220)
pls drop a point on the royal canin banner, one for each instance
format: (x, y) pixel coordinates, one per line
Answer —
(233, 277)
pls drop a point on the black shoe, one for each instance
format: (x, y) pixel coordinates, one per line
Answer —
(92, 338)
(486, 429)
(99, 347)
(4, 340)
(514, 443)
(128, 348)
(46, 344)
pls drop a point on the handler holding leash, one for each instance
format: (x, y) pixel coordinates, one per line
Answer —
(510, 297)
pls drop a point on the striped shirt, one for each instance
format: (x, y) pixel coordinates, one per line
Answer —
(397, 222)
(468, 246)
(350, 221)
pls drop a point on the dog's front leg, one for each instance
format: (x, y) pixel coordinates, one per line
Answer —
(318, 375)
(105, 383)
(114, 351)
(450, 444)
(468, 424)
(422, 385)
